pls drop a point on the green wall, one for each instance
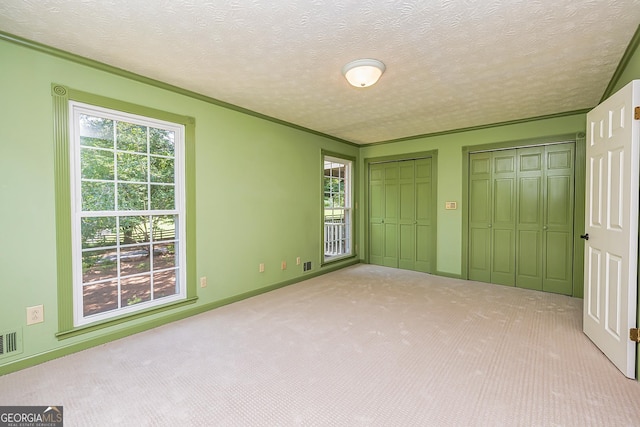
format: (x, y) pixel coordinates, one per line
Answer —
(258, 195)
(629, 68)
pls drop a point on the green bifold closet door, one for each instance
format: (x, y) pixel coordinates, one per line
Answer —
(521, 205)
(401, 214)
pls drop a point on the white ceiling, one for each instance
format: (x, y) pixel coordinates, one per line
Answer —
(451, 64)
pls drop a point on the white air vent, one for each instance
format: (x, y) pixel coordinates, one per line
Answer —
(10, 342)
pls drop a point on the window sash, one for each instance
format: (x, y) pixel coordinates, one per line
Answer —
(337, 209)
(152, 246)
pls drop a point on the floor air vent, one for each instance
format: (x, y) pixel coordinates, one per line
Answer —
(10, 343)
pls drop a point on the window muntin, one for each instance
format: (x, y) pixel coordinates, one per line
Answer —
(337, 208)
(128, 212)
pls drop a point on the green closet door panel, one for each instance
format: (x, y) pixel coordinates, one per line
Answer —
(425, 243)
(376, 214)
(558, 261)
(406, 215)
(376, 202)
(504, 205)
(480, 216)
(407, 189)
(390, 258)
(392, 196)
(504, 193)
(376, 244)
(407, 226)
(407, 202)
(559, 204)
(390, 171)
(423, 169)
(407, 245)
(504, 163)
(503, 243)
(376, 173)
(376, 193)
(558, 219)
(529, 259)
(560, 157)
(530, 165)
(424, 202)
(391, 189)
(480, 254)
(480, 201)
(504, 202)
(530, 201)
(503, 257)
(406, 170)
(391, 208)
(424, 248)
(391, 202)
(480, 165)
(530, 160)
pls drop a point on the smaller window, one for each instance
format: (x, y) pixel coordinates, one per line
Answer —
(337, 208)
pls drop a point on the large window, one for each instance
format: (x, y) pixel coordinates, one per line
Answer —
(128, 212)
(338, 228)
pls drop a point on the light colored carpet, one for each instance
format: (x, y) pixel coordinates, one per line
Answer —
(363, 346)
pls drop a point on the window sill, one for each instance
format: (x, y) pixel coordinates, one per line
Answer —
(122, 319)
(336, 259)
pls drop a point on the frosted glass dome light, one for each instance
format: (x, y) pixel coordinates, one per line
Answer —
(363, 72)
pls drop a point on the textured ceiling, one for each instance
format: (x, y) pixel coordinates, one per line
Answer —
(451, 64)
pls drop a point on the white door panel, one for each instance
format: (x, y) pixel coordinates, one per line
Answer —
(611, 252)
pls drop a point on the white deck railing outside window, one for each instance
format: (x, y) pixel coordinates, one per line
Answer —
(335, 239)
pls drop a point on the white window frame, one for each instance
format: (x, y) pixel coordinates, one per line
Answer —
(75, 109)
(335, 245)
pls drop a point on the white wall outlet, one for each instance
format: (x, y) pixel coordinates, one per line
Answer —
(261, 268)
(35, 314)
(284, 265)
(298, 261)
(203, 282)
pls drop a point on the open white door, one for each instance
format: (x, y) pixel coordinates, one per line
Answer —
(611, 248)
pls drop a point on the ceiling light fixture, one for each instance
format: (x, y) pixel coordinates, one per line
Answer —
(363, 72)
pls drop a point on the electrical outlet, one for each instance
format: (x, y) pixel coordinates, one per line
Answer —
(35, 314)
(298, 261)
(203, 282)
(261, 268)
(284, 265)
